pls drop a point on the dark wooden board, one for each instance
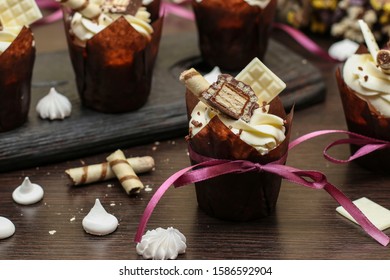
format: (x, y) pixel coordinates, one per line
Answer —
(87, 132)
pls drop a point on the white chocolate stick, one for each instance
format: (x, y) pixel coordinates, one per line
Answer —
(124, 172)
(195, 82)
(85, 7)
(102, 171)
(369, 38)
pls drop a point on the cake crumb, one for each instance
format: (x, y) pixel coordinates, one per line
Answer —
(72, 219)
(52, 232)
(148, 188)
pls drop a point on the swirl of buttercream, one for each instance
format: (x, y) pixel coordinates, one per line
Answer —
(84, 28)
(264, 131)
(362, 74)
(7, 36)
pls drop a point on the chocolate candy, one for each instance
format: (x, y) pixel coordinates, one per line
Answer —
(232, 97)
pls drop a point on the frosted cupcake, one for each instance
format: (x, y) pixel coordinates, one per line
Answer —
(258, 131)
(113, 46)
(364, 83)
(17, 56)
(233, 32)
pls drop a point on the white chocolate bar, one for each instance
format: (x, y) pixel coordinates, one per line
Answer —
(262, 80)
(377, 214)
(19, 12)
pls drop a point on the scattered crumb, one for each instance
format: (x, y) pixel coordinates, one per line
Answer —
(156, 143)
(304, 61)
(72, 219)
(109, 185)
(52, 232)
(154, 148)
(112, 204)
(48, 173)
(173, 142)
(82, 162)
(148, 188)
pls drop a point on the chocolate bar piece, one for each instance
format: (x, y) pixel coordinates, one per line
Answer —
(121, 6)
(231, 97)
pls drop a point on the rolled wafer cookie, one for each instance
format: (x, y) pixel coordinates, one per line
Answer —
(102, 171)
(124, 172)
(194, 81)
(87, 8)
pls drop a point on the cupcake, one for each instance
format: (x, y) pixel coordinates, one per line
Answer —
(17, 56)
(233, 32)
(238, 119)
(113, 46)
(364, 83)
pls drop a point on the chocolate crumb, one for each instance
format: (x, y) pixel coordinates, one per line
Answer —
(196, 123)
(360, 68)
(365, 78)
(239, 132)
(198, 113)
(264, 109)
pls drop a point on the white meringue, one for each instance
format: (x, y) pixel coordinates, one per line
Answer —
(98, 221)
(212, 76)
(162, 244)
(341, 50)
(7, 228)
(27, 193)
(54, 106)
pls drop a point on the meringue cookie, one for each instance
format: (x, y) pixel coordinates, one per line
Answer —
(54, 106)
(162, 244)
(212, 76)
(27, 193)
(7, 228)
(98, 221)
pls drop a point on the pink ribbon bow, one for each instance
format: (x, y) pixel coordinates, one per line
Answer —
(209, 168)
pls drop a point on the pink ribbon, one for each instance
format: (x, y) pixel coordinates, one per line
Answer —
(367, 144)
(209, 168)
(304, 41)
(49, 5)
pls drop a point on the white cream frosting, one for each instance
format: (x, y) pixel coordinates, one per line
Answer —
(98, 221)
(362, 74)
(84, 28)
(264, 131)
(27, 193)
(7, 228)
(261, 3)
(54, 106)
(7, 36)
(162, 244)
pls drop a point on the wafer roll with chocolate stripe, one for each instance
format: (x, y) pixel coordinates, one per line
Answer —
(195, 82)
(124, 172)
(383, 60)
(102, 171)
(87, 8)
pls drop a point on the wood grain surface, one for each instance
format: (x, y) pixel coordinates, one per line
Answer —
(304, 226)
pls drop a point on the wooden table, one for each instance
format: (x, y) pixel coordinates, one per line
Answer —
(304, 226)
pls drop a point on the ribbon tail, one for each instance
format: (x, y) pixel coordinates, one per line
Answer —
(357, 214)
(155, 199)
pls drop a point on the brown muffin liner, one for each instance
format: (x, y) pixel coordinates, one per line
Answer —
(362, 118)
(16, 67)
(154, 9)
(238, 197)
(232, 33)
(114, 70)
